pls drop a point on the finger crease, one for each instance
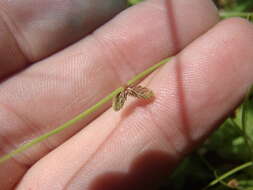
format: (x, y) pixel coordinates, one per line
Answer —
(13, 29)
(28, 124)
(92, 156)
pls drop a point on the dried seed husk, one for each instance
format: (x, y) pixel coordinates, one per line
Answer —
(139, 91)
(119, 100)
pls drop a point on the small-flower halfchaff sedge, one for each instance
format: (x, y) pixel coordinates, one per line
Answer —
(137, 91)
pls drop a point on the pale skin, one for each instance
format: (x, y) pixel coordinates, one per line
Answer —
(206, 80)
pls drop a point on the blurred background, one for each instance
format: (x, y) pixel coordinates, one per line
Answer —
(225, 160)
(235, 5)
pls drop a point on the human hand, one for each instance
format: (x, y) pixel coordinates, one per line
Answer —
(137, 147)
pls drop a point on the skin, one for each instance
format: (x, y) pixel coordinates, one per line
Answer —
(138, 146)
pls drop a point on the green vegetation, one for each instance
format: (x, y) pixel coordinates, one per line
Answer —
(225, 160)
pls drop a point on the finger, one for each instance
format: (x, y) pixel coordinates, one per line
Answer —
(134, 149)
(79, 76)
(32, 30)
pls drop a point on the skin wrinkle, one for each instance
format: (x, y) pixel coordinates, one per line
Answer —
(20, 117)
(163, 133)
(23, 158)
(13, 30)
(170, 146)
(102, 144)
(14, 159)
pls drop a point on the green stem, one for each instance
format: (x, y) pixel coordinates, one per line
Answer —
(244, 123)
(227, 14)
(229, 173)
(80, 116)
(211, 168)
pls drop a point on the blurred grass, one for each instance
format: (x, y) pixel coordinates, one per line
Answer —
(230, 146)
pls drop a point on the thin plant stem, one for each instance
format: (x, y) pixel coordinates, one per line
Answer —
(81, 116)
(224, 183)
(227, 14)
(221, 181)
(211, 168)
(229, 173)
(244, 117)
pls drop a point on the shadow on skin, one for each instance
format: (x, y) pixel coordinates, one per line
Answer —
(184, 110)
(145, 172)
